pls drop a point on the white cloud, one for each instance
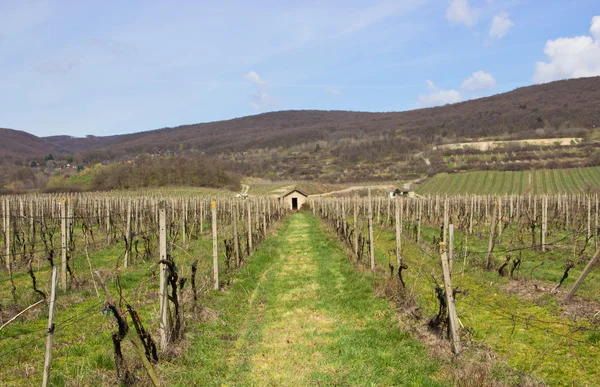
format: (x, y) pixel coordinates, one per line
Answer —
(501, 23)
(479, 81)
(253, 77)
(438, 96)
(260, 99)
(571, 57)
(366, 17)
(334, 91)
(595, 28)
(461, 12)
(57, 67)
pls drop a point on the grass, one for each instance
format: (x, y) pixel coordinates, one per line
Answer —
(300, 314)
(528, 329)
(82, 352)
(297, 312)
(550, 181)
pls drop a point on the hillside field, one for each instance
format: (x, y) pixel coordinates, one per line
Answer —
(548, 181)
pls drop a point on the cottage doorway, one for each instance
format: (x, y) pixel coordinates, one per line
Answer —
(294, 204)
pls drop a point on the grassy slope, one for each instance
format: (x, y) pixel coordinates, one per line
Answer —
(575, 180)
(300, 314)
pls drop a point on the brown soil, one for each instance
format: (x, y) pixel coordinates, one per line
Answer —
(539, 291)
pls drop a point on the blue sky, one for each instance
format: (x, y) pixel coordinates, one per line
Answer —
(108, 67)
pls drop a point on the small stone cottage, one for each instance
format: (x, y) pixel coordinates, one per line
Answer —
(294, 199)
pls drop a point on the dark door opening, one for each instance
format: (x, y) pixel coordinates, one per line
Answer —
(295, 204)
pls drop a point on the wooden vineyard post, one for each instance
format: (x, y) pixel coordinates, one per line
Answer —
(471, 214)
(127, 236)
(582, 276)
(596, 224)
(7, 232)
(371, 242)
(491, 240)
(500, 227)
(63, 245)
(356, 226)
(236, 242)
(544, 222)
(387, 220)
(589, 217)
(451, 247)
(446, 221)
(344, 219)
(257, 219)
(264, 218)
(184, 211)
(70, 207)
(50, 337)
(108, 226)
(201, 217)
(249, 226)
(452, 318)
(419, 215)
(32, 219)
(163, 320)
(213, 207)
(398, 233)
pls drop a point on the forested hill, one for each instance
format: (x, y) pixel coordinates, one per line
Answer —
(18, 143)
(561, 107)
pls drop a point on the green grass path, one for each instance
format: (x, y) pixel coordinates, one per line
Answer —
(300, 314)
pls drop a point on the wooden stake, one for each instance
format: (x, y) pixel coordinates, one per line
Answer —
(163, 320)
(20, 313)
(371, 241)
(7, 232)
(420, 215)
(446, 221)
(236, 242)
(108, 225)
(63, 245)
(454, 334)
(491, 240)
(50, 337)
(471, 214)
(596, 225)
(127, 236)
(213, 207)
(398, 233)
(356, 231)
(589, 217)
(450, 247)
(544, 222)
(582, 276)
(249, 226)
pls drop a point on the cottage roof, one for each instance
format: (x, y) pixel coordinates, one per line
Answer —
(295, 190)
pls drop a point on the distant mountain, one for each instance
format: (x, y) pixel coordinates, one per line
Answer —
(562, 108)
(15, 143)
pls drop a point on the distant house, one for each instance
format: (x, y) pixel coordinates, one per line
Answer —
(397, 192)
(294, 199)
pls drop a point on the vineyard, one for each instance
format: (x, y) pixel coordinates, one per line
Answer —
(517, 315)
(536, 182)
(145, 289)
(125, 264)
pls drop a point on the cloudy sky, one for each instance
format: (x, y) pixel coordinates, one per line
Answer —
(106, 67)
